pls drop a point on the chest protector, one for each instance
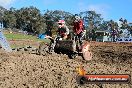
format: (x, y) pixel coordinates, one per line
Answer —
(78, 26)
(61, 31)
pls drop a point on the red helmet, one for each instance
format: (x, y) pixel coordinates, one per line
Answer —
(61, 21)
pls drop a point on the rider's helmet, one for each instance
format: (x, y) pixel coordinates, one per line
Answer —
(61, 23)
(77, 17)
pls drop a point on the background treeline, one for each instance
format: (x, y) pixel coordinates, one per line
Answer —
(32, 20)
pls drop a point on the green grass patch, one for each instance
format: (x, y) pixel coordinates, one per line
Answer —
(11, 36)
(19, 36)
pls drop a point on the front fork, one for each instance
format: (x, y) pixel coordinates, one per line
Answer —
(53, 43)
(78, 45)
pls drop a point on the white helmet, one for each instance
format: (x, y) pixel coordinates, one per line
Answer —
(77, 18)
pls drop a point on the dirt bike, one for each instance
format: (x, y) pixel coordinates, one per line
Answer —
(48, 48)
(69, 47)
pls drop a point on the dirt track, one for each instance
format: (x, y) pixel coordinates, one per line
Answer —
(23, 70)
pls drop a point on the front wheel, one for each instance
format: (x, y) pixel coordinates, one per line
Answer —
(72, 55)
(43, 49)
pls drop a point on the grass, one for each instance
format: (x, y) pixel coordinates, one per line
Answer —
(12, 36)
(19, 36)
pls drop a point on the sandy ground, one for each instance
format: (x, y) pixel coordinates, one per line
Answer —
(23, 70)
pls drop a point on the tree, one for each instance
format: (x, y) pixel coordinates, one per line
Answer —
(51, 17)
(92, 22)
(30, 19)
(2, 10)
(92, 19)
(124, 23)
(104, 25)
(9, 18)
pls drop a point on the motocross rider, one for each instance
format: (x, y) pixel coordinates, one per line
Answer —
(63, 30)
(78, 28)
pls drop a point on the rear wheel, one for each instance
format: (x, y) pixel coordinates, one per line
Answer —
(43, 49)
(51, 48)
(72, 55)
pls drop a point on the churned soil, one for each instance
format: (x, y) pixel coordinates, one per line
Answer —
(24, 70)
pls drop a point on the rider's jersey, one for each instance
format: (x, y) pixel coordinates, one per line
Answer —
(78, 26)
(63, 31)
